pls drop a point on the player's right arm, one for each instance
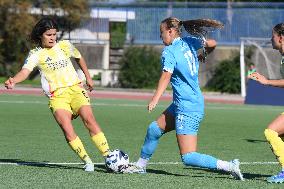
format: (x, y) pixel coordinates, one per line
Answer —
(19, 77)
(162, 85)
(263, 80)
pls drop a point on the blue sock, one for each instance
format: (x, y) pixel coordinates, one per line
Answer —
(199, 160)
(154, 132)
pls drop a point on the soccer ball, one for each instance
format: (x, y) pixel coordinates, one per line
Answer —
(116, 160)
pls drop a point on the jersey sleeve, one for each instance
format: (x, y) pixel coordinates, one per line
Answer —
(168, 61)
(31, 61)
(70, 49)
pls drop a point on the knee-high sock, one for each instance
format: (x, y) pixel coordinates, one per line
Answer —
(276, 143)
(79, 149)
(154, 132)
(199, 160)
(101, 143)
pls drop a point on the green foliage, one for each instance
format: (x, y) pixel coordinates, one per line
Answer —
(140, 67)
(118, 34)
(226, 77)
(17, 21)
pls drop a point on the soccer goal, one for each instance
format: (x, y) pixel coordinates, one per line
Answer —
(257, 53)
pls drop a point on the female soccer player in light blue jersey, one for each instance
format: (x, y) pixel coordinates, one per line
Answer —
(180, 66)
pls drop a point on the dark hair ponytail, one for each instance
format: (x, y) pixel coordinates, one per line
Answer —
(279, 28)
(201, 26)
(43, 25)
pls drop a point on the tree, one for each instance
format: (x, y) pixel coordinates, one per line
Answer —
(17, 17)
(140, 67)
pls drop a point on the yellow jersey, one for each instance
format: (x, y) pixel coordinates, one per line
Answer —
(55, 66)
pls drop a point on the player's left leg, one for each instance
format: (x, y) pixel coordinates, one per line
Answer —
(80, 104)
(95, 131)
(187, 128)
(272, 134)
(164, 124)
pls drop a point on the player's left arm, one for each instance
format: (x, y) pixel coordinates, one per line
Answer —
(210, 45)
(207, 46)
(82, 63)
(162, 85)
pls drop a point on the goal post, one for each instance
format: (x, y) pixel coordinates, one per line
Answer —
(262, 56)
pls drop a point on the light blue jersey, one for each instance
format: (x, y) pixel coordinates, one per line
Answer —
(180, 59)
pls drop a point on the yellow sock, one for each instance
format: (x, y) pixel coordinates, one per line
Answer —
(79, 149)
(276, 143)
(101, 143)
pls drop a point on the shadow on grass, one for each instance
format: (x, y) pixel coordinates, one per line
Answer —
(247, 176)
(255, 140)
(221, 174)
(18, 162)
(253, 176)
(37, 164)
(161, 172)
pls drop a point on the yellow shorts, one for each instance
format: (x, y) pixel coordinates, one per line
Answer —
(70, 99)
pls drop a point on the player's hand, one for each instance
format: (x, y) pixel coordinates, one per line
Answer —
(90, 84)
(152, 105)
(258, 77)
(9, 84)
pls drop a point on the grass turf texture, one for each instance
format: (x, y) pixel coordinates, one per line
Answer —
(30, 137)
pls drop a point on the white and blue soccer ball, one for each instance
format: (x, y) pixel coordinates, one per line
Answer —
(116, 160)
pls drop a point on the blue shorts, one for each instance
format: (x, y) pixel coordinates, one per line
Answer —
(186, 124)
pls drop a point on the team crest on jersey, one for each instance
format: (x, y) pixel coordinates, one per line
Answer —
(48, 59)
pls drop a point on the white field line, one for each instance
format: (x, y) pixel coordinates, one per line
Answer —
(247, 108)
(98, 163)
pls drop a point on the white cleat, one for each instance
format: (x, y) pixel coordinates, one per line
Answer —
(235, 169)
(132, 168)
(89, 167)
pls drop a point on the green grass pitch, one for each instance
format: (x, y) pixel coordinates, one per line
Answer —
(34, 153)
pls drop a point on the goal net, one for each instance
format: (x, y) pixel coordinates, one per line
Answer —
(258, 53)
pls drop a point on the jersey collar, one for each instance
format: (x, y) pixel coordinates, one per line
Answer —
(175, 40)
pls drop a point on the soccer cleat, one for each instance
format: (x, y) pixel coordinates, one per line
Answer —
(132, 168)
(235, 169)
(276, 178)
(89, 167)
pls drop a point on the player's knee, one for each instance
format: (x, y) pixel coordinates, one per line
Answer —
(154, 131)
(270, 134)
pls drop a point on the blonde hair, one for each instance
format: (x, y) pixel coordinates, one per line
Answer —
(173, 23)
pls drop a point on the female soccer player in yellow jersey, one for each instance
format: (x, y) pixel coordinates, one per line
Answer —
(60, 82)
(276, 128)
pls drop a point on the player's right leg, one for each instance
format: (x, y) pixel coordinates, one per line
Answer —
(186, 129)
(272, 133)
(165, 123)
